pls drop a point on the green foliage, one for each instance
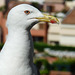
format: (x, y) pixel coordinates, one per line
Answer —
(46, 66)
(1, 45)
(40, 47)
(44, 71)
(64, 61)
(64, 65)
(2, 8)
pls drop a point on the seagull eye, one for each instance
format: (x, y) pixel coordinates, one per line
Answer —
(27, 12)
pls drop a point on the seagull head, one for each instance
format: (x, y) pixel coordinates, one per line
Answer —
(26, 16)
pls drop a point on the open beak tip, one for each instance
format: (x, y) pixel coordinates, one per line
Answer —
(53, 21)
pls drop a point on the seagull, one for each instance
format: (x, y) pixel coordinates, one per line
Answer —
(16, 56)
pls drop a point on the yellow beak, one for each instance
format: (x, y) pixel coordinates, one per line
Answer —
(48, 18)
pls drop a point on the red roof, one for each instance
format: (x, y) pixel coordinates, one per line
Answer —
(70, 18)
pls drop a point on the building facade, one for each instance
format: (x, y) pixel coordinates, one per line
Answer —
(64, 33)
(53, 5)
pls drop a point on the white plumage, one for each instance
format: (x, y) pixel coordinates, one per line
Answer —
(16, 57)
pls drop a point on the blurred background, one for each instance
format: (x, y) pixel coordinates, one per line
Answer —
(54, 44)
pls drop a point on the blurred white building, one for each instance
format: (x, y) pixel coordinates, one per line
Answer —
(68, 29)
(70, 4)
(2, 3)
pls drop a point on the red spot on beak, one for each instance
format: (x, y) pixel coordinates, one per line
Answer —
(53, 21)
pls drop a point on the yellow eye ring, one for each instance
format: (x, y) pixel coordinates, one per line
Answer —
(27, 12)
